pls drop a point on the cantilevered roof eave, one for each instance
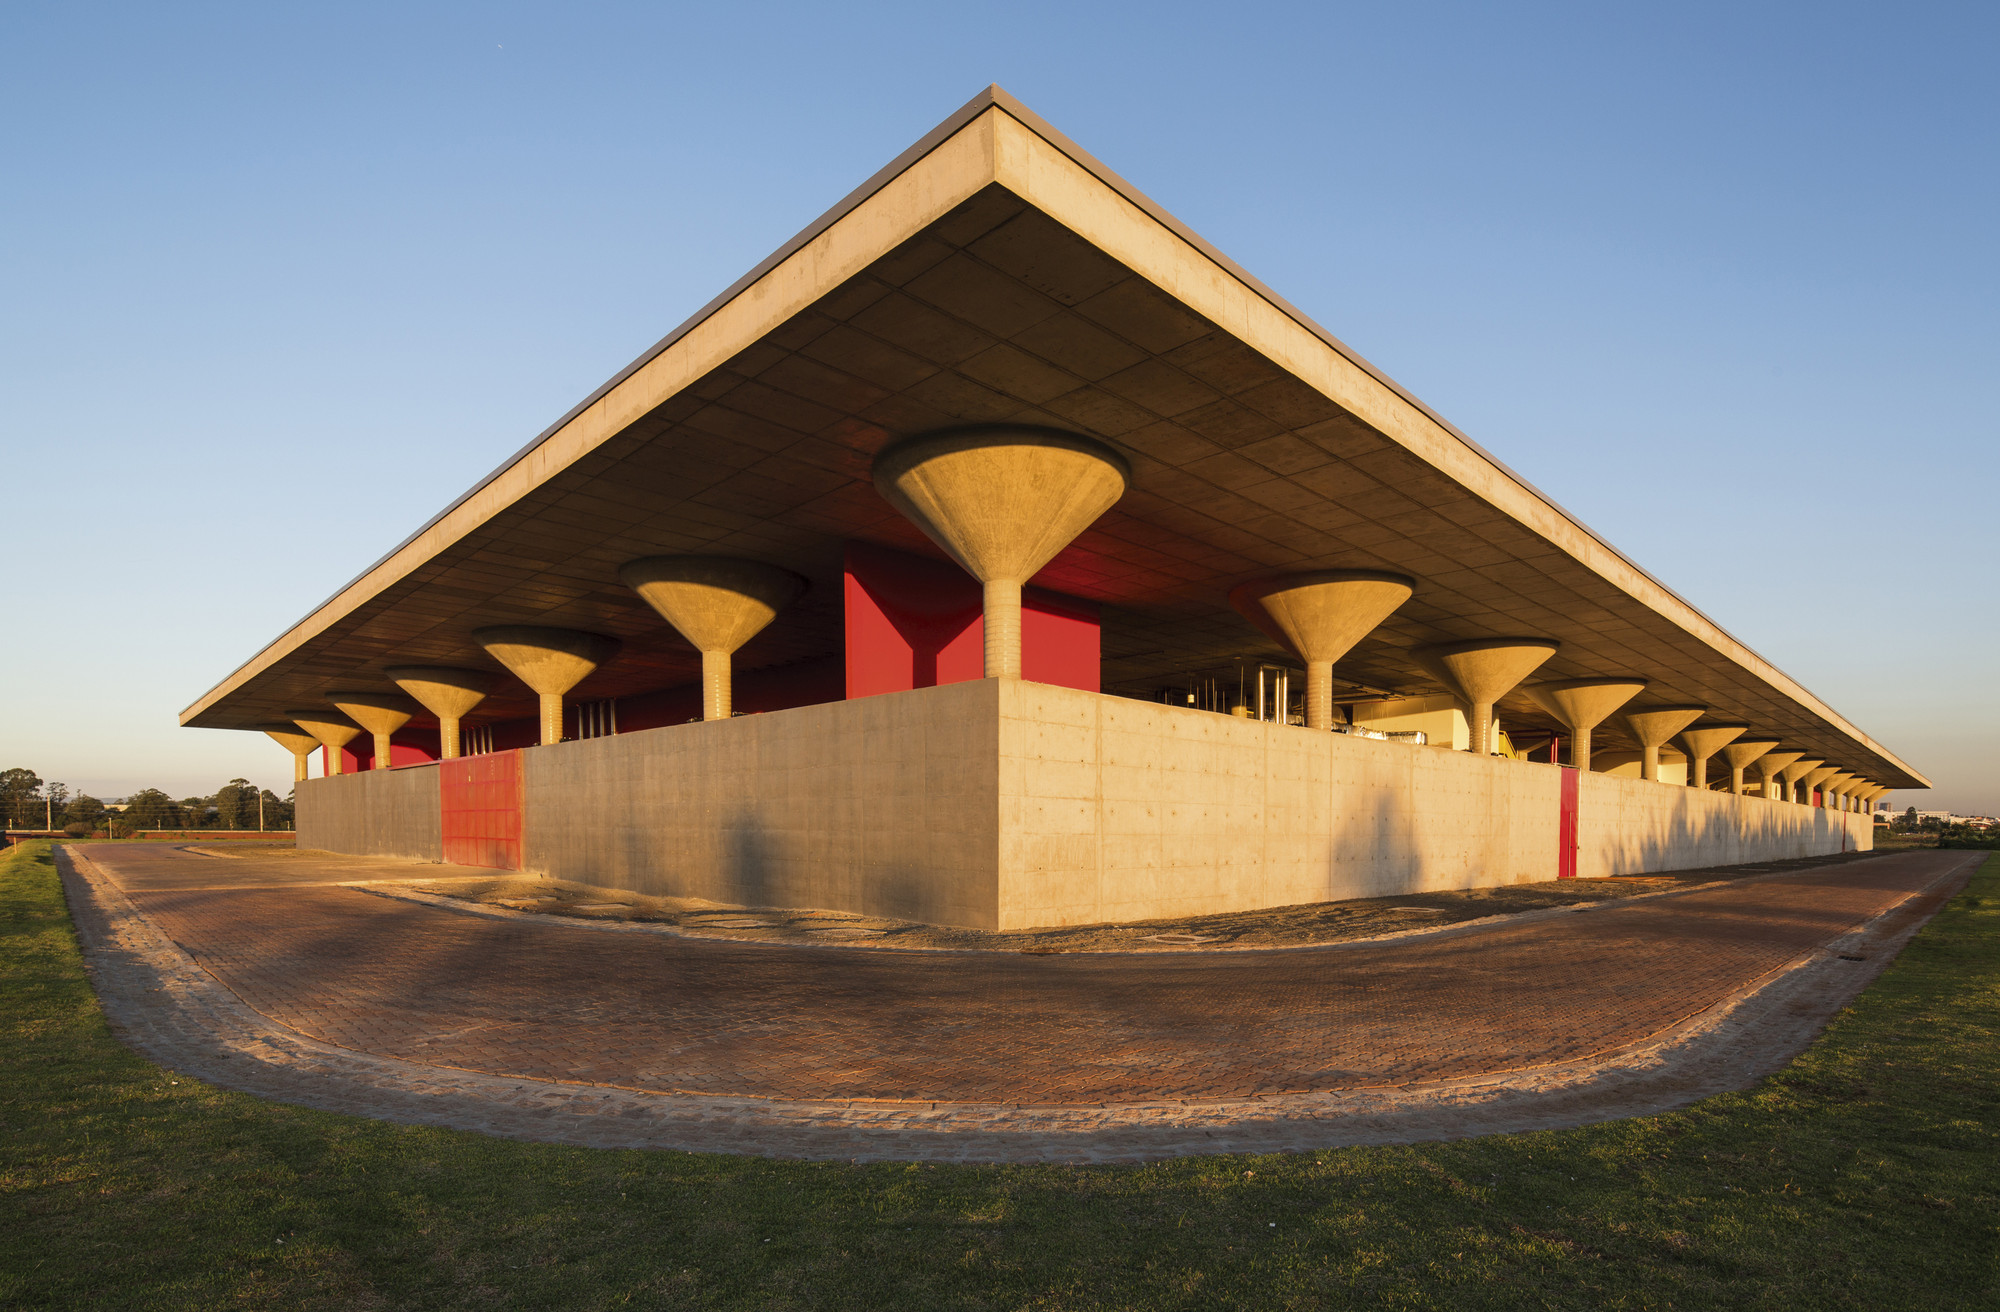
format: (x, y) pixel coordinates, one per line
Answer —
(1689, 620)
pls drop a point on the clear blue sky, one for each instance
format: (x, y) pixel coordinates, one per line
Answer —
(279, 281)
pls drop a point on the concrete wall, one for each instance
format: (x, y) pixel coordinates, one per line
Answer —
(1009, 804)
(1114, 809)
(1630, 827)
(374, 813)
(882, 804)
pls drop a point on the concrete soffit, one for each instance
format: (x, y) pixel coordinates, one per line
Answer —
(994, 139)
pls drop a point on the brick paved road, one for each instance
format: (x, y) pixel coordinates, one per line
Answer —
(555, 1001)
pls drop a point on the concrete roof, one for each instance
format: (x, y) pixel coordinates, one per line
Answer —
(996, 272)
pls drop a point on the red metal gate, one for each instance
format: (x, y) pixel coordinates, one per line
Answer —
(479, 798)
(1565, 827)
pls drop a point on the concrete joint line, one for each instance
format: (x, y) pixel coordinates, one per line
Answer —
(166, 1007)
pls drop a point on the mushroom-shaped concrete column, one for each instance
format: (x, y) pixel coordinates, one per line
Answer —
(1835, 790)
(381, 714)
(1703, 741)
(332, 730)
(294, 740)
(550, 661)
(1740, 753)
(445, 692)
(1655, 726)
(1320, 616)
(1814, 779)
(1582, 704)
(718, 603)
(1480, 672)
(1796, 771)
(1772, 765)
(1002, 501)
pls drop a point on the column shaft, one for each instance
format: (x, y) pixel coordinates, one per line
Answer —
(1003, 629)
(1480, 724)
(716, 689)
(1319, 694)
(552, 718)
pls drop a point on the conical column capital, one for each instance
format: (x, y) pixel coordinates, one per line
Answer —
(330, 728)
(290, 737)
(550, 661)
(1002, 500)
(1743, 751)
(377, 712)
(1484, 669)
(445, 691)
(717, 603)
(1583, 704)
(1705, 740)
(1319, 615)
(1654, 726)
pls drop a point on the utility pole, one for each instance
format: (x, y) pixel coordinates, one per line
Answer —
(260, 810)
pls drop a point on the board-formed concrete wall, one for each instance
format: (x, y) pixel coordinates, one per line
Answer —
(1113, 809)
(1002, 805)
(884, 805)
(373, 813)
(1630, 827)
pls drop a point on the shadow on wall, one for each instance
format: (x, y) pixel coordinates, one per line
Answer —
(1690, 830)
(1370, 852)
(759, 872)
(750, 860)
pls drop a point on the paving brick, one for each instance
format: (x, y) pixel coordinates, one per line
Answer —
(552, 1001)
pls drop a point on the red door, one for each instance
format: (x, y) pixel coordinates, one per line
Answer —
(1565, 828)
(480, 801)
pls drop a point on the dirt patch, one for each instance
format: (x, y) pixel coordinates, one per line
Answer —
(1272, 927)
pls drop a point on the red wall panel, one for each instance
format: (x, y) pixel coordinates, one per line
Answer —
(913, 622)
(1566, 825)
(479, 804)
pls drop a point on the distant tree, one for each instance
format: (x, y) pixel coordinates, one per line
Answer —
(197, 812)
(85, 810)
(17, 788)
(277, 811)
(149, 808)
(236, 805)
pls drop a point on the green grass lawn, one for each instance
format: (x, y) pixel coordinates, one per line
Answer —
(1863, 1177)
